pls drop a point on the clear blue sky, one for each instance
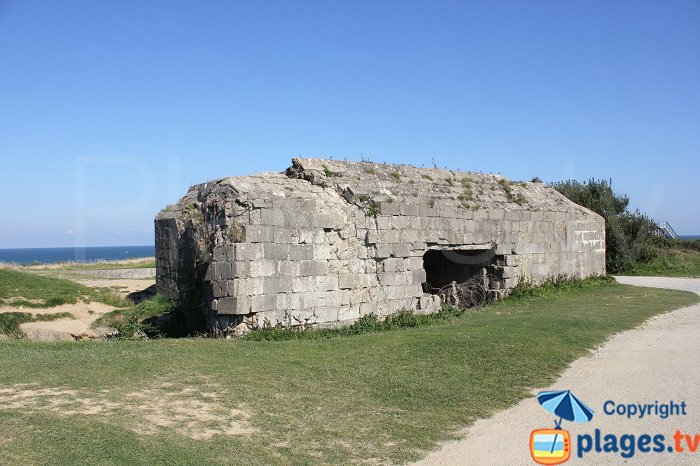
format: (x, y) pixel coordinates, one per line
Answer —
(109, 110)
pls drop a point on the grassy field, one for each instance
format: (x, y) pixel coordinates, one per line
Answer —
(664, 257)
(674, 263)
(376, 397)
(25, 289)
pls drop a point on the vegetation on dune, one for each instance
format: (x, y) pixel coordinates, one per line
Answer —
(668, 257)
(379, 397)
(24, 289)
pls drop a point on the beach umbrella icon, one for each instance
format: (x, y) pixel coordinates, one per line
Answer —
(565, 405)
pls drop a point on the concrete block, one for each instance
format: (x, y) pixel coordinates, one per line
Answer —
(218, 289)
(418, 276)
(230, 305)
(427, 211)
(260, 234)
(373, 237)
(390, 208)
(313, 268)
(348, 281)
(265, 302)
(393, 265)
(276, 251)
(273, 285)
(225, 270)
(220, 252)
(410, 210)
(273, 217)
(263, 268)
(326, 283)
(284, 235)
(333, 221)
(299, 252)
(349, 313)
(384, 223)
(247, 251)
(322, 252)
(240, 269)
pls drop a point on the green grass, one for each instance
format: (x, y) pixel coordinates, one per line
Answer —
(674, 264)
(664, 257)
(19, 288)
(377, 396)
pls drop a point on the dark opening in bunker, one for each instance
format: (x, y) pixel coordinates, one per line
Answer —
(459, 276)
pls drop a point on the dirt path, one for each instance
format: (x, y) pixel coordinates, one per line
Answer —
(658, 361)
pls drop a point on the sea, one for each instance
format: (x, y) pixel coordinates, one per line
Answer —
(87, 254)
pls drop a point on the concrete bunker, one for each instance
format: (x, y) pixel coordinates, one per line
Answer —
(327, 242)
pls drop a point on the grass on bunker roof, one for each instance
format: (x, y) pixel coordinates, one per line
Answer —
(377, 397)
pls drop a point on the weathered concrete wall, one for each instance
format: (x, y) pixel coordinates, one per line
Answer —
(329, 241)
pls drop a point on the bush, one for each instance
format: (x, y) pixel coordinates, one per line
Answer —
(10, 322)
(133, 328)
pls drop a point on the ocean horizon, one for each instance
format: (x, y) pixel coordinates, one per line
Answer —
(26, 256)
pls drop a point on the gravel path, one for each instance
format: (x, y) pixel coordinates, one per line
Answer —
(658, 361)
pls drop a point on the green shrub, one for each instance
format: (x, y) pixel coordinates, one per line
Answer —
(372, 209)
(327, 171)
(10, 322)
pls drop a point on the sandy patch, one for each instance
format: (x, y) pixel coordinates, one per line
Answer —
(84, 314)
(121, 285)
(187, 411)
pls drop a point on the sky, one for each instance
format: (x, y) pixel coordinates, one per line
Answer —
(109, 110)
